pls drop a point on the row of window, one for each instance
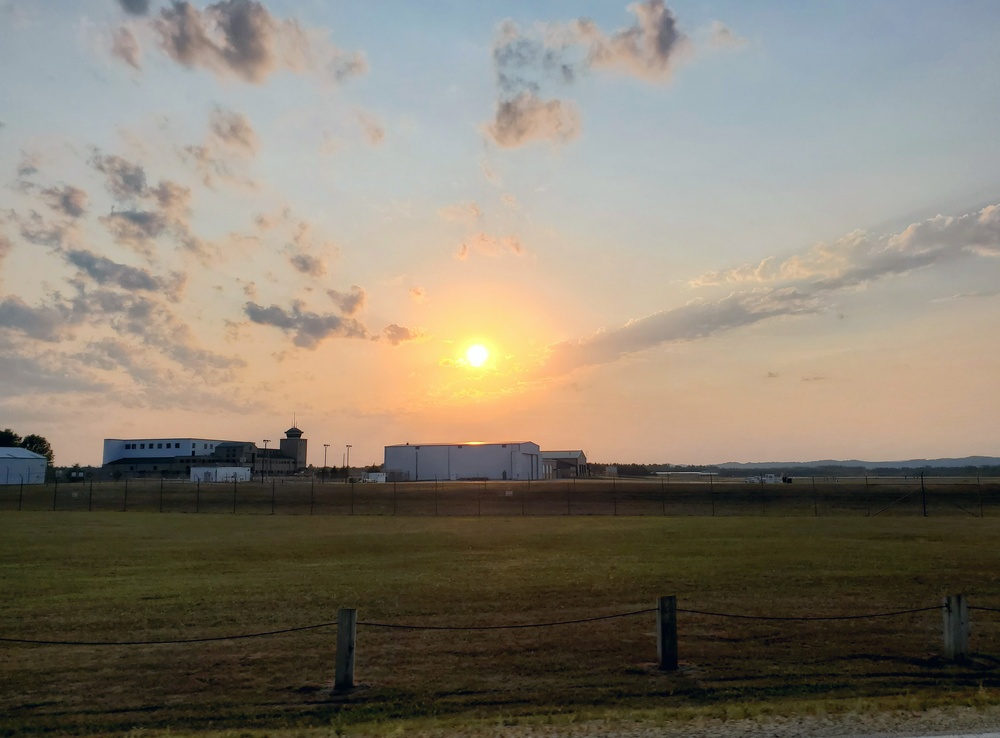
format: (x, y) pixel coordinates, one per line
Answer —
(159, 444)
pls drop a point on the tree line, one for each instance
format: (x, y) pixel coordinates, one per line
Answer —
(31, 442)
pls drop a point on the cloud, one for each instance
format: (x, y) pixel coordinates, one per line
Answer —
(105, 271)
(135, 7)
(125, 47)
(348, 302)
(397, 334)
(67, 200)
(28, 164)
(135, 228)
(124, 180)
(241, 39)
(234, 130)
(526, 61)
(487, 245)
(466, 212)
(649, 49)
(231, 139)
(307, 264)
(43, 323)
(418, 294)
(720, 36)
(859, 257)
(804, 285)
(372, 129)
(309, 328)
(528, 118)
(35, 229)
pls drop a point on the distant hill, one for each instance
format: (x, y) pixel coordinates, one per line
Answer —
(948, 463)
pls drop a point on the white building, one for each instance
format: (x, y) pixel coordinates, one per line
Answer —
(220, 474)
(455, 461)
(121, 449)
(18, 465)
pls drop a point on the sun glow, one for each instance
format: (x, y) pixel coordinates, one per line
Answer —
(477, 354)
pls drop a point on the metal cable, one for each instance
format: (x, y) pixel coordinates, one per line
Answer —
(166, 642)
(821, 617)
(507, 627)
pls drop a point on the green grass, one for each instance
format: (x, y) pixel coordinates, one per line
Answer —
(113, 576)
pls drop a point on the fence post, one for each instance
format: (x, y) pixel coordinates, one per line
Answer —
(666, 633)
(272, 495)
(956, 627)
(125, 498)
(347, 627)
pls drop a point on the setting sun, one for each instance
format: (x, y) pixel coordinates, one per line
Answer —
(477, 354)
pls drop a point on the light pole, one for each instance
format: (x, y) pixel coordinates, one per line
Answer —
(263, 463)
(348, 464)
(325, 447)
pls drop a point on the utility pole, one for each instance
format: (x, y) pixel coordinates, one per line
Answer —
(325, 447)
(348, 463)
(263, 463)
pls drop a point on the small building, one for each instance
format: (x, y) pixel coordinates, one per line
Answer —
(220, 474)
(520, 460)
(21, 466)
(564, 464)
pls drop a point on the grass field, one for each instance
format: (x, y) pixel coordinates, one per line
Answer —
(109, 576)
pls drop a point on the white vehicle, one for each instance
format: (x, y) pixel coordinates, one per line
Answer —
(375, 477)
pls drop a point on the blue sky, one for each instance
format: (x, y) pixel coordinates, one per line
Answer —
(689, 233)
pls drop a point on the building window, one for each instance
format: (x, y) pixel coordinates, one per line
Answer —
(159, 445)
(205, 445)
(142, 445)
(177, 445)
(154, 468)
(194, 445)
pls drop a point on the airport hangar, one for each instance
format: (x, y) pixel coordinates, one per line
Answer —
(20, 466)
(427, 462)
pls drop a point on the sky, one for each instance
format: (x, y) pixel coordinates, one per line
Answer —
(687, 233)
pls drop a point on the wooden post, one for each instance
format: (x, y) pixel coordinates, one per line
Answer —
(272, 495)
(923, 493)
(347, 631)
(197, 495)
(90, 497)
(125, 498)
(956, 627)
(161, 494)
(312, 495)
(666, 633)
(234, 494)
(55, 491)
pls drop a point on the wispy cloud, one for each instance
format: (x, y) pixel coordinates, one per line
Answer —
(487, 245)
(805, 285)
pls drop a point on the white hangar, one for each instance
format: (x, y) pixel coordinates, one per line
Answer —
(20, 466)
(521, 460)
